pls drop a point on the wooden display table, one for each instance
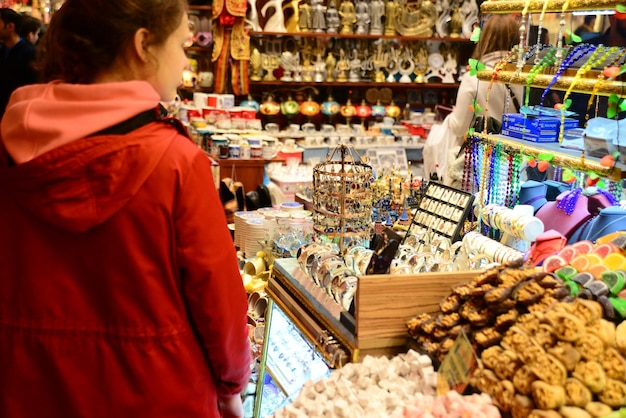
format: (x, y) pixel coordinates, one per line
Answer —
(249, 172)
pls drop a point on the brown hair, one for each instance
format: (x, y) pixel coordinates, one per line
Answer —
(86, 37)
(499, 33)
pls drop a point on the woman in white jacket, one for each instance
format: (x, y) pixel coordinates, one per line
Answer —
(498, 35)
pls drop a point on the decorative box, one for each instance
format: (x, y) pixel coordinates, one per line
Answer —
(534, 128)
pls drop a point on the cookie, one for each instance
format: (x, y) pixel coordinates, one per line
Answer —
(590, 346)
(613, 394)
(567, 354)
(549, 369)
(547, 396)
(591, 374)
(576, 393)
(614, 364)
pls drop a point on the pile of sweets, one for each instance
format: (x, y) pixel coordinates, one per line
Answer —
(566, 361)
(486, 307)
(403, 386)
(595, 272)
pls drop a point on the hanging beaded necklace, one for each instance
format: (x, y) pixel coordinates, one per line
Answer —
(559, 42)
(522, 33)
(591, 62)
(599, 83)
(540, 27)
(568, 202)
(494, 76)
(577, 53)
(546, 61)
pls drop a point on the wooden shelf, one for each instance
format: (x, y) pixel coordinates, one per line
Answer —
(585, 84)
(536, 6)
(284, 84)
(199, 7)
(358, 36)
(567, 158)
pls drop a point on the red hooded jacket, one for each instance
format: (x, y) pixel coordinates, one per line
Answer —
(120, 294)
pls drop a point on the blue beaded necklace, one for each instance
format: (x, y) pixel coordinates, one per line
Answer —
(577, 53)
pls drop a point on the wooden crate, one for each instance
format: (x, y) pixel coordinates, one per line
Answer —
(384, 304)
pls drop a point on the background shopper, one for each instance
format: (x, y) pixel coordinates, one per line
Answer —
(498, 35)
(17, 56)
(120, 294)
(31, 29)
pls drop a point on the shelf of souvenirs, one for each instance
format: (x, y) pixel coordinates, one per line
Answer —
(354, 84)
(360, 36)
(585, 84)
(536, 6)
(563, 157)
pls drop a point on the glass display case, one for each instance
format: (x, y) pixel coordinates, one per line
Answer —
(289, 360)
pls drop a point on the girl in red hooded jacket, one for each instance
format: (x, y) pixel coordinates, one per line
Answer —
(120, 294)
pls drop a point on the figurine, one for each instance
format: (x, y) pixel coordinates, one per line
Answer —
(392, 60)
(377, 11)
(319, 19)
(330, 63)
(443, 20)
(411, 22)
(276, 22)
(252, 18)
(348, 17)
(343, 65)
(296, 69)
(449, 70)
(332, 18)
(391, 13)
(255, 63)
(362, 11)
(470, 17)
(456, 23)
(307, 70)
(306, 19)
(355, 67)
(287, 62)
(421, 63)
(293, 23)
(378, 61)
(318, 69)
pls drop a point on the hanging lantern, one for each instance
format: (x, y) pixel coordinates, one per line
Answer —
(392, 110)
(348, 111)
(269, 107)
(289, 107)
(309, 108)
(363, 111)
(378, 110)
(330, 108)
(250, 103)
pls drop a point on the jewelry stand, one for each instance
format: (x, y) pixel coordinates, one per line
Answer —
(342, 197)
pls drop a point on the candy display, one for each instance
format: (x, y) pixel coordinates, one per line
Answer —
(403, 386)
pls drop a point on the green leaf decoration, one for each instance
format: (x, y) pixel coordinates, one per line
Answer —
(611, 112)
(622, 105)
(567, 104)
(593, 175)
(476, 66)
(568, 174)
(622, 69)
(621, 8)
(545, 156)
(475, 34)
(601, 184)
(477, 108)
(573, 37)
(616, 155)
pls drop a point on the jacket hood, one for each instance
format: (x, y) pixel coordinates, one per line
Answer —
(54, 169)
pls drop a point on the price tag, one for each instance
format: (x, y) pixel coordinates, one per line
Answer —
(456, 369)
